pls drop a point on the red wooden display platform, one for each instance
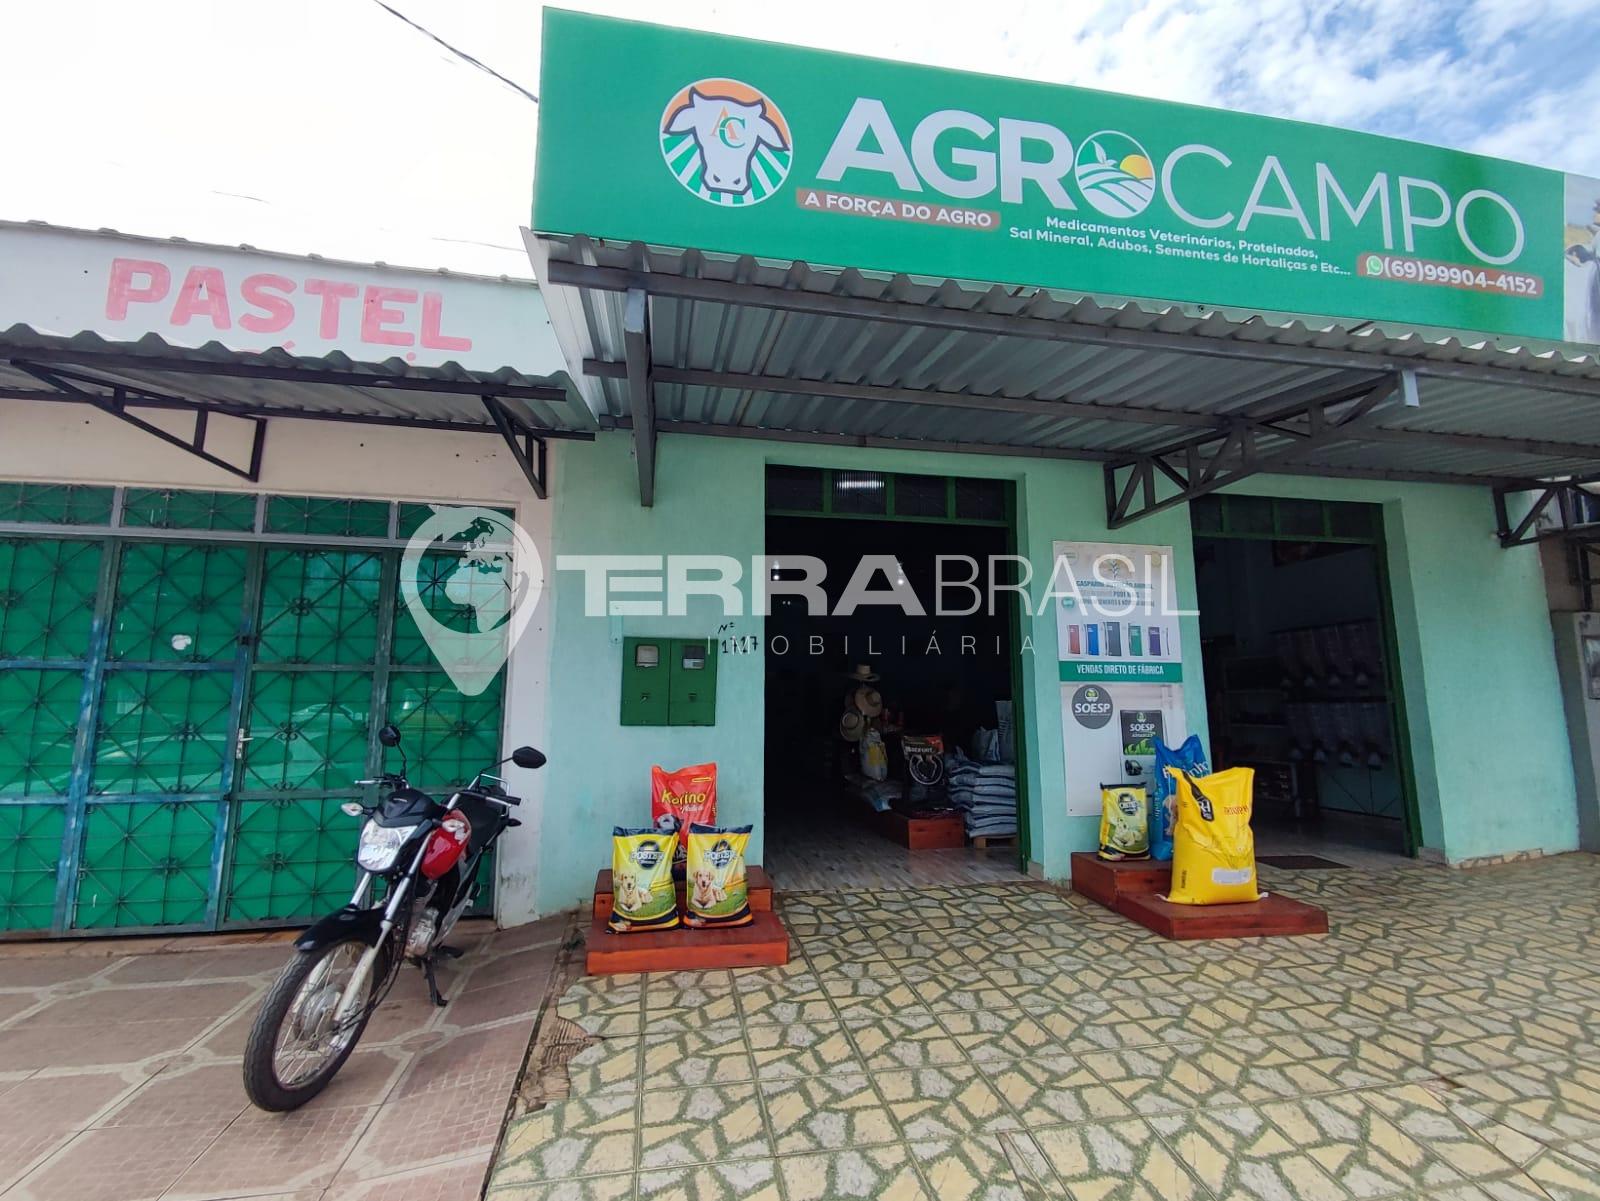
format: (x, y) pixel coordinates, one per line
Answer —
(922, 833)
(1105, 880)
(756, 878)
(1271, 916)
(763, 943)
(1136, 888)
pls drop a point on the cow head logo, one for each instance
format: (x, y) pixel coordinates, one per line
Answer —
(726, 142)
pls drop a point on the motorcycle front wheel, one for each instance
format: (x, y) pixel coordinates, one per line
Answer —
(295, 1046)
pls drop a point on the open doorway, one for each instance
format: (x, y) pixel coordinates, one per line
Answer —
(1296, 632)
(890, 735)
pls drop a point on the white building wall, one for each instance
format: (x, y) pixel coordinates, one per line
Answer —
(77, 444)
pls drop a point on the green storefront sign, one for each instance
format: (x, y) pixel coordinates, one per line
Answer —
(678, 138)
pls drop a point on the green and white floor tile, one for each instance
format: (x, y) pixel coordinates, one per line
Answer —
(1013, 1043)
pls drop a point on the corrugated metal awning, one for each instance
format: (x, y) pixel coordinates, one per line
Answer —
(746, 347)
(137, 381)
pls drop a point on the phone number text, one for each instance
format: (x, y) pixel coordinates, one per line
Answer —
(1449, 275)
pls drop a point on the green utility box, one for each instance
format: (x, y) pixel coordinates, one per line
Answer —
(669, 681)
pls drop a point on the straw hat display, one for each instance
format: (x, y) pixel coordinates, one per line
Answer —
(863, 674)
(867, 701)
(852, 726)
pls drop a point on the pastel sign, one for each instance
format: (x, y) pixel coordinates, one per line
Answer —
(65, 282)
(267, 302)
(743, 147)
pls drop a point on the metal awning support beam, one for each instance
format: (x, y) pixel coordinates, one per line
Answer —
(527, 444)
(641, 389)
(1251, 444)
(115, 399)
(1572, 506)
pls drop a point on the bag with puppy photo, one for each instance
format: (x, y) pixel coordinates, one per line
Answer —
(643, 896)
(716, 892)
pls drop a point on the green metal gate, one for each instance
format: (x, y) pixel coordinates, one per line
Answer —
(189, 684)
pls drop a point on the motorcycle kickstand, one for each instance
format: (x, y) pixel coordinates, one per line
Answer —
(433, 984)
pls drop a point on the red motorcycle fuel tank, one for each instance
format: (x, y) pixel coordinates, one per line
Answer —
(446, 844)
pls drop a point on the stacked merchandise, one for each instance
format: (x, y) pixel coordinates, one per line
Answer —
(984, 793)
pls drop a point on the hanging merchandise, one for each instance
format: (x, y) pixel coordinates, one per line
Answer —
(874, 755)
(716, 892)
(1190, 757)
(644, 897)
(1124, 822)
(683, 796)
(1214, 852)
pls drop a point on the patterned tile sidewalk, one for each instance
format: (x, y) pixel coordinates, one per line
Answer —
(120, 1076)
(1010, 1042)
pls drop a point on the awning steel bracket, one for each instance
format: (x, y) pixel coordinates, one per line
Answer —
(114, 400)
(1250, 444)
(1574, 507)
(528, 446)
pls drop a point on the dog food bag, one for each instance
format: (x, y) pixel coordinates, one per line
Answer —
(716, 892)
(1213, 850)
(680, 797)
(1190, 757)
(642, 893)
(1124, 822)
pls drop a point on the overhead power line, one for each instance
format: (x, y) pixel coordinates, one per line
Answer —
(459, 53)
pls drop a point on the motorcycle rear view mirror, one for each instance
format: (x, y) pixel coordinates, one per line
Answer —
(389, 735)
(527, 756)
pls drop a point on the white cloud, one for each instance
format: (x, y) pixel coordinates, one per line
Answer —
(332, 127)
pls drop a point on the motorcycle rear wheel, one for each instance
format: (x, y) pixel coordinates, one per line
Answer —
(299, 1009)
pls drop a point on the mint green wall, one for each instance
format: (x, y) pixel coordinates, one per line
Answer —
(710, 499)
(1492, 765)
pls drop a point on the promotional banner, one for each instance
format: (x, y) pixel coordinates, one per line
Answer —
(1121, 664)
(688, 139)
(1116, 612)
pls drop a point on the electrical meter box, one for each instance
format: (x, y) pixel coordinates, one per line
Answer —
(669, 681)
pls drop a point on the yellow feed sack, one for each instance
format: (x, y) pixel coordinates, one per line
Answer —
(1213, 850)
(643, 896)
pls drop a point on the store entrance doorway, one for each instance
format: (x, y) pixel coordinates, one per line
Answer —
(891, 746)
(1297, 636)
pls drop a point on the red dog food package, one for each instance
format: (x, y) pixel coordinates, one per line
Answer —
(680, 797)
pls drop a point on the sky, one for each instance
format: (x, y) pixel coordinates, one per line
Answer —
(331, 127)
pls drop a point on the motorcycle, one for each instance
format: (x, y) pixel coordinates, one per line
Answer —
(426, 856)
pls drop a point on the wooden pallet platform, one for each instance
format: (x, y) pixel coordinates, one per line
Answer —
(923, 833)
(757, 880)
(1271, 916)
(763, 943)
(994, 840)
(1105, 880)
(1137, 889)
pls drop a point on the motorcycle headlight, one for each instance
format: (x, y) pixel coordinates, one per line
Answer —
(380, 845)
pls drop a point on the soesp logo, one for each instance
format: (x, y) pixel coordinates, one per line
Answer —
(726, 142)
(1115, 174)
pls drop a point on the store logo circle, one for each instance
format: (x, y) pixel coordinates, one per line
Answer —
(1115, 174)
(726, 142)
(1091, 707)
